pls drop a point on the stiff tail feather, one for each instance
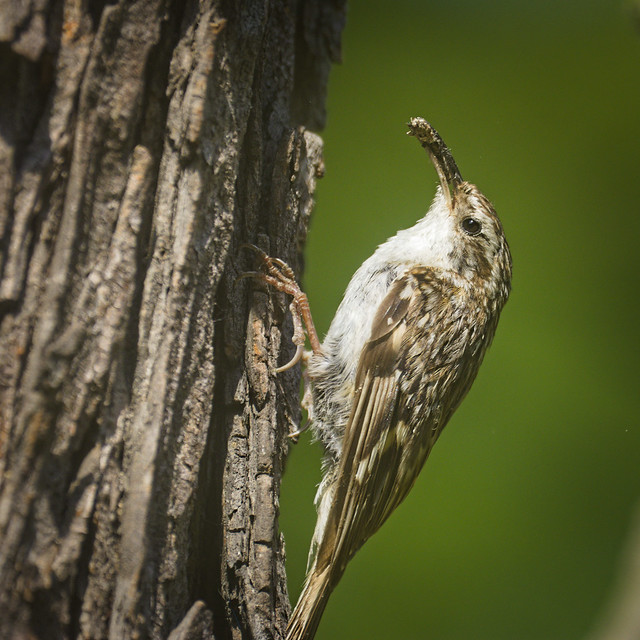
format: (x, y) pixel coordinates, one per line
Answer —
(306, 615)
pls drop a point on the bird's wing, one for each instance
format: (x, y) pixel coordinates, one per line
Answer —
(376, 470)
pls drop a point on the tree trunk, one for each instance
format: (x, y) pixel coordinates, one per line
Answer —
(142, 429)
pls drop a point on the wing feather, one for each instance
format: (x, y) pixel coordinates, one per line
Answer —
(368, 488)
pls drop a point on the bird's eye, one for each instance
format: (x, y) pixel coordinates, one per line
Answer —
(471, 226)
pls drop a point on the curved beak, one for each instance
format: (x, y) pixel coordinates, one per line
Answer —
(429, 138)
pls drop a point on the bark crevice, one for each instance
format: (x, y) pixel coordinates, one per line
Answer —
(142, 430)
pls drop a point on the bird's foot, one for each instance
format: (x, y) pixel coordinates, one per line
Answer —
(280, 276)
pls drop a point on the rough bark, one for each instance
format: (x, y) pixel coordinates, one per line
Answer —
(142, 430)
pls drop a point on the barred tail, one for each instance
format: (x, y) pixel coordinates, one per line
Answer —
(305, 618)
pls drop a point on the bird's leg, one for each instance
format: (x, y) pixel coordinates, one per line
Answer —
(297, 338)
(307, 398)
(279, 275)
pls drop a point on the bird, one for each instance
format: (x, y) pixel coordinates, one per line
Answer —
(400, 355)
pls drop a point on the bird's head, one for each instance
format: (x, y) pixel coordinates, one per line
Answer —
(464, 233)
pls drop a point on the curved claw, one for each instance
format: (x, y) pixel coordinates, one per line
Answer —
(248, 274)
(278, 274)
(294, 435)
(253, 247)
(293, 362)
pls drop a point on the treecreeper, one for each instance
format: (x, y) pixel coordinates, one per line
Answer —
(402, 352)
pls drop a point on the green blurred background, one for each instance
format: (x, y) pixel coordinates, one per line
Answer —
(515, 527)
